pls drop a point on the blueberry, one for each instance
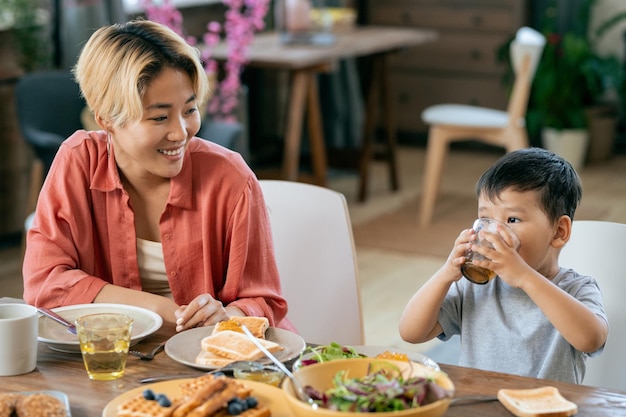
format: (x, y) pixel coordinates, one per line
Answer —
(252, 402)
(163, 400)
(218, 373)
(148, 394)
(234, 408)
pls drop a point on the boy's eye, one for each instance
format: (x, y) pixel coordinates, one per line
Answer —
(159, 118)
(513, 220)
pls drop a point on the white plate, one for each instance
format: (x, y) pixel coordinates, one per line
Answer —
(61, 396)
(267, 395)
(371, 351)
(56, 336)
(185, 346)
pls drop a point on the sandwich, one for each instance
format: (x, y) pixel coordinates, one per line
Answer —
(257, 325)
(544, 401)
(234, 345)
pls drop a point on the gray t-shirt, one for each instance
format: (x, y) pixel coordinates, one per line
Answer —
(503, 330)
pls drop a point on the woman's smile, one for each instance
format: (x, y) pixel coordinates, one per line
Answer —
(173, 151)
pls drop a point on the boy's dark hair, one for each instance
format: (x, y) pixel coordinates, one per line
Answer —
(535, 169)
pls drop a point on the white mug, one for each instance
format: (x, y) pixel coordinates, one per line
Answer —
(19, 326)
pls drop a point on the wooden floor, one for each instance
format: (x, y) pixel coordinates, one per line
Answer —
(387, 278)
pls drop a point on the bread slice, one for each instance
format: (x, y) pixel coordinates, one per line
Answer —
(257, 325)
(206, 358)
(544, 401)
(236, 346)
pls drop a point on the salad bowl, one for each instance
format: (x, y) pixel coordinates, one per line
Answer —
(321, 377)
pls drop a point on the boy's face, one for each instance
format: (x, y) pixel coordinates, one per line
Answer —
(522, 212)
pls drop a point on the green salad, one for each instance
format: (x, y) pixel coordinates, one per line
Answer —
(382, 389)
(312, 355)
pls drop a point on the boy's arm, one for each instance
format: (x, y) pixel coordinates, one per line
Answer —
(418, 322)
(580, 326)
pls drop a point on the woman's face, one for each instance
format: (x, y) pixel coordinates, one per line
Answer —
(153, 147)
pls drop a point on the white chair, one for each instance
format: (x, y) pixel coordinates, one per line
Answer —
(316, 260)
(596, 248)
(455, 122)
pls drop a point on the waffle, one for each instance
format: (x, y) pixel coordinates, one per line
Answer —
(138, 406)
(205, 396)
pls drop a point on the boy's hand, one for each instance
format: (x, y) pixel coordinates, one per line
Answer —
(452, 267)
(504, 258)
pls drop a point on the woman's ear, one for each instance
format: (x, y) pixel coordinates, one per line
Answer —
(104, 125)
(562, 231)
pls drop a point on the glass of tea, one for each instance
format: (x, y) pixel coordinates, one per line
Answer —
(104, 341)
(474, 273)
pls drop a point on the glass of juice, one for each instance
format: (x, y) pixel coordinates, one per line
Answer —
(472, 272)
(104, 341)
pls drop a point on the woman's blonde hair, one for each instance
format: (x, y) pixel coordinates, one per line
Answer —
(119, 61)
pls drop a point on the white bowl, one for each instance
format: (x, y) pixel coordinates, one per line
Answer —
(56, 336)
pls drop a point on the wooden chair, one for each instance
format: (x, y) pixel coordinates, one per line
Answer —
(316, 259)
(596, 249)
(455, 122)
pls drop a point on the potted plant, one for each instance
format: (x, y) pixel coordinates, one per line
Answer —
(572, 88)
(24, 24)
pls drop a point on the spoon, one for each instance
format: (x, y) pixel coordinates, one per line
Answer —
(302, 395)
(54, 316)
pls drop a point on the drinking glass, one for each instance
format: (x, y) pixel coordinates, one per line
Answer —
(473, 273)
(104, 341)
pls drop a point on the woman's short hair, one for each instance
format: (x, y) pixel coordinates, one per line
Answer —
(119, 61)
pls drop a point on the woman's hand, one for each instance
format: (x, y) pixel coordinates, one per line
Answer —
(204, 310)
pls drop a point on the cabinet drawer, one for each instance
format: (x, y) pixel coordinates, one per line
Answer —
(462, 18)
(455, 52)
(411, 94)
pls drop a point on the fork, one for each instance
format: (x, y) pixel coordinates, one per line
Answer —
(150, 355)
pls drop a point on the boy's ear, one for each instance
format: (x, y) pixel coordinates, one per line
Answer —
(562, 232)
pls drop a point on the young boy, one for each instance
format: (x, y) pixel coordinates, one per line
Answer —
(535, 318)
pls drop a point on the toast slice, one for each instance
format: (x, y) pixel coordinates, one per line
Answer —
(257, 325)
(206, 358)
(234, 345)
(544, 401)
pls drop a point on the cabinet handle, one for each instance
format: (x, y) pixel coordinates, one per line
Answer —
(476, 55)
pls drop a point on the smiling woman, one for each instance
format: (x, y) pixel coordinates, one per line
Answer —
(143, 212)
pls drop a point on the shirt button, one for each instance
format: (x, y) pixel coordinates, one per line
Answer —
(168, 236)
(173, 274)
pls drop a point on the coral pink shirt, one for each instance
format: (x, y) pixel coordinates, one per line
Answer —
(215, 231)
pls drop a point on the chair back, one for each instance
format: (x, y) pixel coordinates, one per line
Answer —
(316, 260)
(525, 52)
(596, 249)
(49, 106)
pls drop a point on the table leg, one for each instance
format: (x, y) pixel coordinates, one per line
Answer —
(388, 119)
(316, 134)
(300, 82)
(379, 94)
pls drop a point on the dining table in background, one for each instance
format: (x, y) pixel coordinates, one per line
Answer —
(304, 61)
(65, 372)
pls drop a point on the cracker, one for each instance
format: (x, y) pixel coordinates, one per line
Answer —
(38, 405)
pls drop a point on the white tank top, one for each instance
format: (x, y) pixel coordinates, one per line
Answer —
(152, 268)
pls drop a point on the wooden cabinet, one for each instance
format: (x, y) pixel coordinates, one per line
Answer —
(461, 66)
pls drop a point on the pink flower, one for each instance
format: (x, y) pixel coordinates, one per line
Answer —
(242, 19)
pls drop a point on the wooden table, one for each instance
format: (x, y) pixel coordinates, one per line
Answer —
(305, 61)
(65, 372)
